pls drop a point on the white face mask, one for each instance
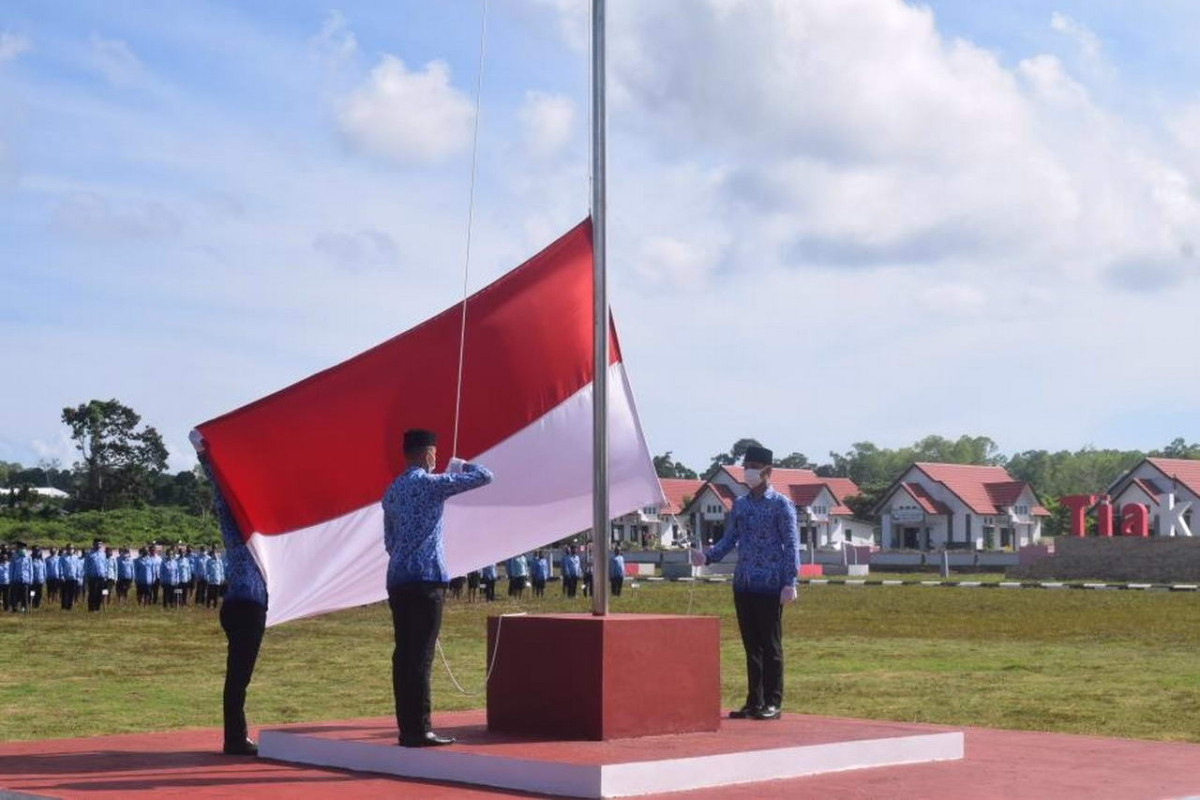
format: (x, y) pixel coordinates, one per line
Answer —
(753, 477)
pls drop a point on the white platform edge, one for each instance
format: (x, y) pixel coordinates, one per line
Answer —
(612, 780)
(755, 766)
(438, 764)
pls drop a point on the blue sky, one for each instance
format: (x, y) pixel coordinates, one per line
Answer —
(832, 221)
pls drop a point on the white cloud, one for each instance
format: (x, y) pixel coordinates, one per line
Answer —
(407, 116)
(91, 216)
(115, 60)
(13, 45)
(336, 43)
(366, 248)
(547, 121)
(673, 264)
(1087, 40)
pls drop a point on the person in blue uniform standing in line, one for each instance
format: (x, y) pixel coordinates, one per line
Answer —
(616, 572)
(417, 577)
(124, 575)
(762, 525)
(21, 578)
(39, 577)
(539, 571)
(487, 579)
(5, 579)
(214, 576)
(95, 573)
(53, 577)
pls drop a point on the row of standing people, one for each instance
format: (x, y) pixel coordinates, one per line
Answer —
(175, 577)
(533, 571)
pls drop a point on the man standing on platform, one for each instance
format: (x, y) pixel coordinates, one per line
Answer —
(417, 577)
(762, 525)
(243, 617)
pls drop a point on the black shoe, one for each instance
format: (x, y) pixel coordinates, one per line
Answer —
(430, 739)
(246, 747)
(745, 712)
(769, 712)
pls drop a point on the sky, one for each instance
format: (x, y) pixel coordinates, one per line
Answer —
(831, 221)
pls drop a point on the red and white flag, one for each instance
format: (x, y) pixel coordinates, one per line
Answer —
(304, 469)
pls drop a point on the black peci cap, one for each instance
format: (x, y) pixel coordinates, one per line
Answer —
(759, 455)
(417, 438)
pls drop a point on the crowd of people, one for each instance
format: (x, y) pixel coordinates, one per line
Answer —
(178, 576)
(533, 572)
(102, 576)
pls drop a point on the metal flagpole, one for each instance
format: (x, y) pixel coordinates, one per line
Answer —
(600, 520)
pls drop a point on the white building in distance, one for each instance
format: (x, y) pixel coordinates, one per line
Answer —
(823, 519)
(1170, 490)
(959, 506)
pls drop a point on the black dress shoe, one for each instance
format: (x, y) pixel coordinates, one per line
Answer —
(430, 739)
(745, 712)
(246, 747)
(769, 712)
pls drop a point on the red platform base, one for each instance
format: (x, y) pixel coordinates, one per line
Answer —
(577, 676)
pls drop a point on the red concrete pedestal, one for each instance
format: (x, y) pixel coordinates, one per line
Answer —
(577, 676)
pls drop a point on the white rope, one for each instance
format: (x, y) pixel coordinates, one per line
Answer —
(462, 337)
(491, 664)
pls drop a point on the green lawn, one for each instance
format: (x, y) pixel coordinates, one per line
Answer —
(1112, 663)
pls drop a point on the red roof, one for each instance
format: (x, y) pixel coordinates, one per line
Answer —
(985, 490)
(925, 500)
(675, 490)
(725, 493)
(804, 494)
(1149, 487)
(841, 487)
(1184, 470)
(779, 476)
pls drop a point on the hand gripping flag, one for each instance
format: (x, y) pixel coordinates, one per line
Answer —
(304, 469)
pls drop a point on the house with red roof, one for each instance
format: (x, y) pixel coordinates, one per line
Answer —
(664, 524)
(959, 506)
(821, 513)
(1162, 485)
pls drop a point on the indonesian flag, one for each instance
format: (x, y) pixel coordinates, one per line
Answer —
(303, 470)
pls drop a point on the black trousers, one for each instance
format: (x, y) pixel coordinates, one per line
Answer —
(489, 590)
(123, 588)
(66, 594)
(39, 590)
(95, 593)
(616, 583)
(760, 620)
(243, 623)
(416, 620)
(539, 587)
(20, 596)
(52, 585)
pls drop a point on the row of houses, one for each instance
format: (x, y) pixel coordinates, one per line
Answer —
(928, 507)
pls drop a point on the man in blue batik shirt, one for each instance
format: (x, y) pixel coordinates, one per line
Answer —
(417, 577)
(243, 616)
(21, 577)
(762, 525)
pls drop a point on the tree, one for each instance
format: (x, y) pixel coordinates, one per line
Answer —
(121, 464)
(1178, 448)
(794, 461)
(666, 467)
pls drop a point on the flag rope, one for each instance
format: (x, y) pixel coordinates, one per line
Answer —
(462, 337)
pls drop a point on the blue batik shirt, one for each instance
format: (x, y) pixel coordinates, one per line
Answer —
(52, 568)
(125, 568)
(541, 569)
(764, 531)
(488, 573)
(616, 567)
(39, 570)
(242, 577)
(214, 571)
(96, 565)
(21, 569)
(5, 573)
(143, 571)
(412, 521)
(518, 567)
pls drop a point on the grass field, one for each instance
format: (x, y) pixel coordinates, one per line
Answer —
(1110, 663)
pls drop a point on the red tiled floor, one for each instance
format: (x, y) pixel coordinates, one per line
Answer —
(999, 764)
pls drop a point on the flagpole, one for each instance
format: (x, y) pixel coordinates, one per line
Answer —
(600, 520)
